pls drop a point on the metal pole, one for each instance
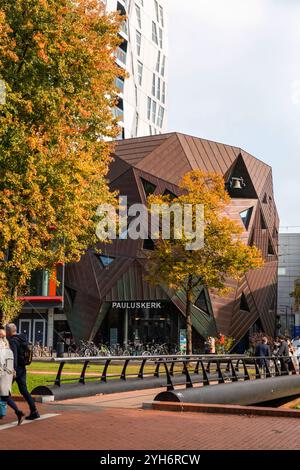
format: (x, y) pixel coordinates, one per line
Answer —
(50, 327)
(126, 328)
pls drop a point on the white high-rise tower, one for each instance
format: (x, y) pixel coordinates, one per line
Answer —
(143, 54)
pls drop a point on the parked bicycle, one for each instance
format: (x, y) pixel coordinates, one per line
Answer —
(41, 351)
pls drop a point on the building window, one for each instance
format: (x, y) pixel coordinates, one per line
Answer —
(149, 109)
(149, 245)
(136, 123)
(271, 251)
(158, 88)
(121, 55)
(153, 84)
(138, 42)
(281, 271)
(156, 10)
(106, 260)
(136, 94)
(246, 217)
(140, 72)
(169, 193)
(160, 117)
(244, 304)
(262, 222)
(161, 11)
(138, 16)
(158, 62)
(202, 303)
(119, 82)
(163, 66)
(149, 188)
(154, 33)
(163, 96)
(160, 38)
(154, 107)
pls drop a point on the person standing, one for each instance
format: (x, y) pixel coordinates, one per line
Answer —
(6, 376)
(212, 350)
(221, 339)
(284, 354)
(263, 353)
(293, 356)
(17, 344)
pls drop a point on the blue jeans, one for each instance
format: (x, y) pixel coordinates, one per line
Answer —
(10, 403)
(21, 381)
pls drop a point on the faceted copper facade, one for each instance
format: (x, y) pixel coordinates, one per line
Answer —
(162, 160)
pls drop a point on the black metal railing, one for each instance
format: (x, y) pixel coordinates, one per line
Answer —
(192, 370)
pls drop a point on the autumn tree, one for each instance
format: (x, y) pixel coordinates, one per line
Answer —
(58, 68)
(223, 255)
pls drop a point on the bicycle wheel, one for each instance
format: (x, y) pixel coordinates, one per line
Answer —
(146, 353)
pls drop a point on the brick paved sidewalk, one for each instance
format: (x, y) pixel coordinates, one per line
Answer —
(88, 426)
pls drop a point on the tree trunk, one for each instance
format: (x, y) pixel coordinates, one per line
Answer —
(188, 313)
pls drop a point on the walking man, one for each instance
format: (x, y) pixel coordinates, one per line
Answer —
(17, 344)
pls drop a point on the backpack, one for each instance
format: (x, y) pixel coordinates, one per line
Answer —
(25, 352)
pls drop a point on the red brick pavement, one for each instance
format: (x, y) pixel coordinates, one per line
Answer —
(90, 427)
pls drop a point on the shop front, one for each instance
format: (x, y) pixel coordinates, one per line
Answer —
(141, 322)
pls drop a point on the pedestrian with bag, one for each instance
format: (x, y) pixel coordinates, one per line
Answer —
(6, 376)
(22, 357)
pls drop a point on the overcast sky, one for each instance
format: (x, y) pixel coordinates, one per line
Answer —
(234, 77)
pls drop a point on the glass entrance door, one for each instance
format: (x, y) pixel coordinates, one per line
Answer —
(39, 332)
(25, 328)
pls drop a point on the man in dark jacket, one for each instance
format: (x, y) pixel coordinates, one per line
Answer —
(284, 354)
(15, 342)
(263, 351)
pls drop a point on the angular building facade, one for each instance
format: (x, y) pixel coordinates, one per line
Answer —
(143, 54)
(107, 297)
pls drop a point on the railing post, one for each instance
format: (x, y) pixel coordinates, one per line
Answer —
(170, 385)
(82, 376)
(234, 377)
(257, 371)
(246, 373)
(123, 375)
(156, 373)
(204, 373)
(189, 383)
(104, 373)
(220, 374)
(141, 372)
(172, 366)
(58, 377)
(196, 371)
